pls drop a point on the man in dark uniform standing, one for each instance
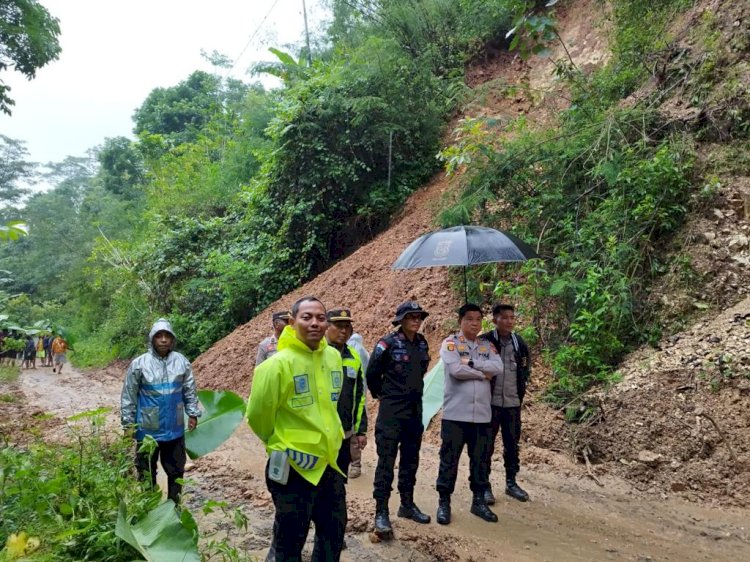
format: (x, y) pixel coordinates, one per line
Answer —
(395, 377)
(508, 389)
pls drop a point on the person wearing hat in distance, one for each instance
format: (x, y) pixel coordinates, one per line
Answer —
(159, 389)
(395, 377)
(267, 346)
(351, 404)
(292, 408)
(471, 361)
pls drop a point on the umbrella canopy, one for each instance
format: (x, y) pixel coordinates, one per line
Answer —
(464, 245)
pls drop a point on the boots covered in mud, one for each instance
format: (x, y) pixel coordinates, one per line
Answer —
(481, 509)
(409, 509)
(383, 527)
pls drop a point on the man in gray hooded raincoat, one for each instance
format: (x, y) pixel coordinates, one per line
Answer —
(159, 389)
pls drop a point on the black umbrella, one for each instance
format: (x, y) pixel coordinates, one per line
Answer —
(464, 246)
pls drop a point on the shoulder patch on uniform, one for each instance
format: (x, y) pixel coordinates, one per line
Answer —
(450, 346)
(382, 345)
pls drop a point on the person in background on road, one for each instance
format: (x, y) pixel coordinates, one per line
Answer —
(29, 353)
(508, 390)
(395, 377)
(59, 349)
(471, 362)
(48, 349)
(40, 353)
(355, 468)
(293, 409)
(159, 389)
(267, 347)
(351, 404)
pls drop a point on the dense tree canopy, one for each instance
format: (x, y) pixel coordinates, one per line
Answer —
(28, 41)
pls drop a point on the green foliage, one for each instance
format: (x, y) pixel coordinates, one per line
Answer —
(178, 113)
(68, 495)
(122, 169)
(79, 499)
(222, 413)
(9, 373)
(159, 535)
(599, 192)
(28, 41)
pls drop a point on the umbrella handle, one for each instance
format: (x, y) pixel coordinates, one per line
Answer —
(466, 288)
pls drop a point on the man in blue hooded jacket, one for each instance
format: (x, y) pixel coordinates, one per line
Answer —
(159, 389)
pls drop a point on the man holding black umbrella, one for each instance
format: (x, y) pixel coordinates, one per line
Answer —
(394, 376)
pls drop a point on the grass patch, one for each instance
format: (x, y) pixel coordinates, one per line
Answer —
(9, 373)
(10, 398)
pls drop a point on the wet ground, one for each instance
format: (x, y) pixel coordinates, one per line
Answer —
(570, 517)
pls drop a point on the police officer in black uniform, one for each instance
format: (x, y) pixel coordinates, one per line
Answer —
(394, 376)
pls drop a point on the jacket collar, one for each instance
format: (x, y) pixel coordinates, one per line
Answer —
(289, 339)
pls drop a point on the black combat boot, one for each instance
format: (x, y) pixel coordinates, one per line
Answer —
(409, 509)
(382, 518)
(514, 490)
(489, 497)
(480, 509)
(444, 509)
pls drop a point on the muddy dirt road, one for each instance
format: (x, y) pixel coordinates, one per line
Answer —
(570, 518)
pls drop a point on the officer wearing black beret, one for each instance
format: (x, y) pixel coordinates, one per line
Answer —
(394, 376)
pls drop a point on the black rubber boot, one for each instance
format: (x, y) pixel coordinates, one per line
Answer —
(480, 509)
(489, 497)
(409, 510)
(444, 509)
(382, 518)
(515, 491)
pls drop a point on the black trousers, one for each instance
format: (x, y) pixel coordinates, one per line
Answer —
(345, 456)
(476, 437)
(507, 421)
(297, 503)
(391, 436)
(172, 455)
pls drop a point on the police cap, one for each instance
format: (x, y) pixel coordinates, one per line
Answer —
(339, 315)
(281, 315)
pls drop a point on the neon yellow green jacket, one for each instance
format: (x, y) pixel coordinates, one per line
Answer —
(292, 404)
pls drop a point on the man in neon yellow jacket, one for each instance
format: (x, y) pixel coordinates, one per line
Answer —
(293, 409)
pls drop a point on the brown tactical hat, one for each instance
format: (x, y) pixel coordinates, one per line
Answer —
(339, 315)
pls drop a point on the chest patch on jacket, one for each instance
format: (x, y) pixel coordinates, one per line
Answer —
(301, 384)
(336, 379)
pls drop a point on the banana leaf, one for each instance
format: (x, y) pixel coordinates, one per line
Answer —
(159, 536)
(65, 334)
(222, 413)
